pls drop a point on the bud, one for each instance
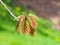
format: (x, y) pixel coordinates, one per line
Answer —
(27, 24)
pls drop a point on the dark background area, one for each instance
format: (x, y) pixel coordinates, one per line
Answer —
(43, 8)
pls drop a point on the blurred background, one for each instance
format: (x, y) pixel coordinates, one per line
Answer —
(47, 31)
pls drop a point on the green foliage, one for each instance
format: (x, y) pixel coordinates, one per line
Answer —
(45, 35)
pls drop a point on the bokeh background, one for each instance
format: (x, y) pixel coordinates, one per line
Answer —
(45, 34)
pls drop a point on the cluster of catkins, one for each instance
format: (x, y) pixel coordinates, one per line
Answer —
(27, 24)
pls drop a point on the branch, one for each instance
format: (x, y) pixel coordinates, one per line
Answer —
(8, 10)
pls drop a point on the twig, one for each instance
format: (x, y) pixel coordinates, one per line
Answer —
(8, 10)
